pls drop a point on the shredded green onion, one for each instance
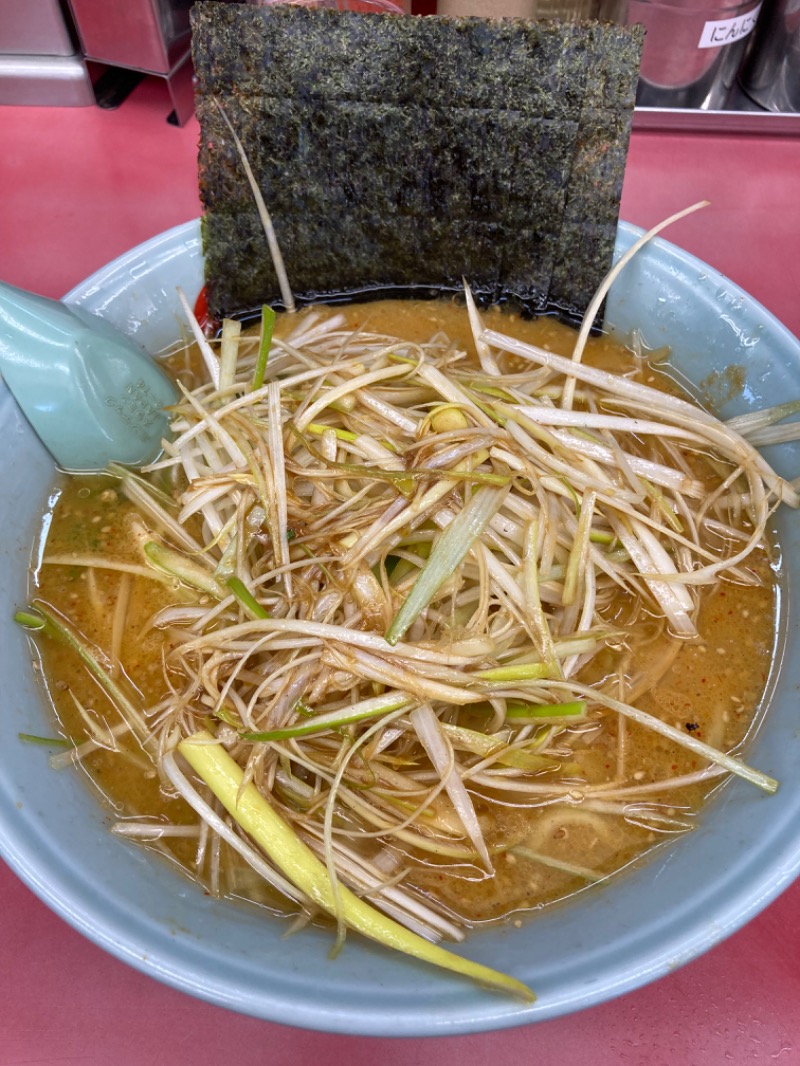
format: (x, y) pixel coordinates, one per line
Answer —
(46, 742)
(448, 552)
(267, 328)
(258, 818)
(246, 598)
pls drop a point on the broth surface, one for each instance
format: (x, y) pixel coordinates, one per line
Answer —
(712, 689)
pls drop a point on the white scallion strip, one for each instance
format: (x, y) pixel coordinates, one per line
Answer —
(264, 215)
(771, 435)
(186, 569)
(754, 421)
(154, 504)
(680, 410)
(436, 744)
(275, 446)
(211, 361)
(570, 868)
(686, 740)
(658, 473)
(666, 596)
(322, 631)
(221, 434)
(596, 302)
(229, 351)
(556, 416)
(154, 830)
(347, 388)
(487, 360)
(102, 563)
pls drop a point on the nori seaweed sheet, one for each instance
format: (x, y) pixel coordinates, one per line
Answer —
(397, 152)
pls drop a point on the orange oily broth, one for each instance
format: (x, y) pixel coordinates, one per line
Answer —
(713, 688)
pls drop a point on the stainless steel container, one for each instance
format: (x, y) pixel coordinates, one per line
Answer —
(151, 36)
(609, 10)
(771, 72)
(692, 50)
(35, 28)
(39, 63)
(147, 35)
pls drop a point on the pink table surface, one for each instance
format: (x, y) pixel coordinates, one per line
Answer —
(78, 187)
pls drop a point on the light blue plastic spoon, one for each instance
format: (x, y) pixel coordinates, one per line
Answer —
(92, 395)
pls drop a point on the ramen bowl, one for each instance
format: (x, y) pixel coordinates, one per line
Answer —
(682, 899)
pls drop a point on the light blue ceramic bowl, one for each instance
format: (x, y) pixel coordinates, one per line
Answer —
(605, 942)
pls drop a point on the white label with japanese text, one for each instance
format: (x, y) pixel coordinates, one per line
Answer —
(728, 31)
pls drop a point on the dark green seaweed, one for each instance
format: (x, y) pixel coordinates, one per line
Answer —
(399, 152)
